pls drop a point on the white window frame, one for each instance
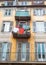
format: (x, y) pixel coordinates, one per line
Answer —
(7, 11)
(43, 28)
(5, 48)
(21, 58)
(23, 3)
(39, 12)
(4, 27)
(37, 2)
(40, 43)
(23, 53)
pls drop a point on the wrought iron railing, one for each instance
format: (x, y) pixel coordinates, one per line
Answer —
(22, 57)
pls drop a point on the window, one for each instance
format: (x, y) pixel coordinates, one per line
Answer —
(6, 26)
(8, 3)
(23, 51)
(7, 12)
(45, 11)
(15, 2)
(38, 2)
(23, 3)
(41, 51)
(39, 27)
(4, 49)
(39, 12)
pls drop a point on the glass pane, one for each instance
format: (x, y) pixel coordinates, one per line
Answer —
(39, 12)
(24, 3)
(39, 51)
(0, 50)
(40, 27)
(5, 3)
(4, 50)
(23, 52)
(43, 51)
(7, 27)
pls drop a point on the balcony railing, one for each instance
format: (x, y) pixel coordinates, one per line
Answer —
(22, 57)
(22, 33)
(4, 56)
(22, 15)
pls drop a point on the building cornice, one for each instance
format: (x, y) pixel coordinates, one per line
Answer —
(6, 0)
(31, 0)
(23, 6)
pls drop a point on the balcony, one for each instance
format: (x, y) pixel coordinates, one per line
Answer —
(21, 33)
(22, 15)
(26, 35)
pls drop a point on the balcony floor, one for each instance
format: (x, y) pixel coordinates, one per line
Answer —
(21, 35)
(24, 18)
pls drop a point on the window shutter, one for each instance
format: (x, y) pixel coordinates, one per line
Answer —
(0, 51)
(45, 26)
(34, 26)
(11, 26)
(3, 28)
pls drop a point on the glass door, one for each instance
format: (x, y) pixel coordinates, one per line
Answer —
(4, 51)
(23, 52)
(41, 52)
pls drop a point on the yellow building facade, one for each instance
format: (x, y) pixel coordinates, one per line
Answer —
(29, 44)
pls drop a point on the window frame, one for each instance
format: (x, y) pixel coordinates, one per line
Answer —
(38, 2)
(38, 10)
(7, 12)
(41, 53)
(34, 27)
(20, 42)
(8, 50)
(10, 27)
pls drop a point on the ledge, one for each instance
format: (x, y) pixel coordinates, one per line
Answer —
(23, 6)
